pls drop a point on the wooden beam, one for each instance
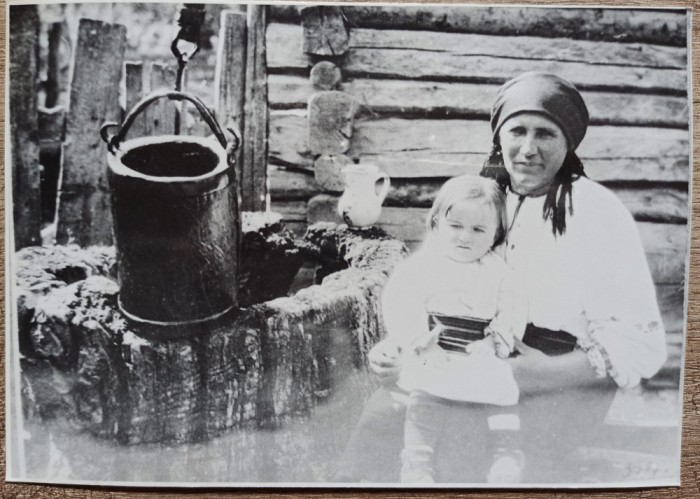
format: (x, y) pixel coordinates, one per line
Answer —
(84, 205)
(614, 25)
(479, 58)
(435, 148)
(256, 121)
(24, 136)
(230, 75)
(325, 32)
(470, 100)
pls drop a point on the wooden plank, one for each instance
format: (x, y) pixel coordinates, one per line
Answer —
(615, 25)
(83, 210)
(470, 100)
(56, 64)
(325, 32)
(458, 57)
(665, 244)
(26, 188)
(230, 69)
(255, 148)
(435, 148)
(159, 117)
(649, 204)
(331, 116)
(286, 184)
(133, 75)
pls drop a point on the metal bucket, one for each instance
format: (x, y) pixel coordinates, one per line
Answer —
(176, 221)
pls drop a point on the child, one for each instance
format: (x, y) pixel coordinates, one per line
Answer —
(454, 289)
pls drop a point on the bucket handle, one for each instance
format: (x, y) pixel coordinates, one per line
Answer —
(114, 140)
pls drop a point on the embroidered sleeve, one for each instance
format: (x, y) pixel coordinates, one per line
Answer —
(626, 338)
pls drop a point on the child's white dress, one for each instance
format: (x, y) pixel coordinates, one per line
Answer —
(430, 282)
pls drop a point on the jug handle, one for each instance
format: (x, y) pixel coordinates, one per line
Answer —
(385, 185)
(114, 140)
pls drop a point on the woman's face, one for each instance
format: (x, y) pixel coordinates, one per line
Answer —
(534, 148)
(468, 230)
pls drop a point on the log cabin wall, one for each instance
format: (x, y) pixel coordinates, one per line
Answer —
(422, 80)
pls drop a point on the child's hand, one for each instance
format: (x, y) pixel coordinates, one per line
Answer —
(499, 344)
(427, 340)
(487, 345)
(385, 360)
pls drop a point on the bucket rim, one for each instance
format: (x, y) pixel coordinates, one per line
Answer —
(114, 159)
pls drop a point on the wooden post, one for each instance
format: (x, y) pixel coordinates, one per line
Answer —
(231, 74)
(325, 32)
(84, 203)
(134, 92)
(255, 148)
(55, 74)
(160, 116)
(231, 69)
(24, 43)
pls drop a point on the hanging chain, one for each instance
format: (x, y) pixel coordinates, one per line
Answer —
(185, 45)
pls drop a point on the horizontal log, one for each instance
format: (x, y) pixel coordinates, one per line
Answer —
(665, 244)
(631, 25)
(470, 100)
(439, 148)
(438, 56)
(657, 204)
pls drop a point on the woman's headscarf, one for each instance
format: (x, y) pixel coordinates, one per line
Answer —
(543, 93)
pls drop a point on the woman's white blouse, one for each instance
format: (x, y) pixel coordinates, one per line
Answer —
(593, 281)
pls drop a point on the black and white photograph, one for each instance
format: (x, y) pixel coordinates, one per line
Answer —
(346, 245)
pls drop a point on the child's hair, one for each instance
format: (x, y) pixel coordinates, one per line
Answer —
(467, 187)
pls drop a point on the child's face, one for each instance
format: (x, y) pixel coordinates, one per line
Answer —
(468, 230)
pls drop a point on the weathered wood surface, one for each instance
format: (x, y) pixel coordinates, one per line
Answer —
(649, 26)
(460, 57)
(26, 194)
(84, 207)
(330, 122)
(256, 121)
(325, 32)
(328, 172)
(159, 116)
(469, 100)
(56, 76)
(230, 70)
(659, 203)
(134, 84)
(429, 148)
(269, 362)
(323, 76)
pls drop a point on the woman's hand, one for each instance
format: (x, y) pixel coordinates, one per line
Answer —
(536, 372)
(385, 360)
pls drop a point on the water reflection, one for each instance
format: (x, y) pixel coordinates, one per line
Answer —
(637, 443)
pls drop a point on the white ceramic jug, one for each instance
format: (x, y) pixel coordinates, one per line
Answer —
(361, 204)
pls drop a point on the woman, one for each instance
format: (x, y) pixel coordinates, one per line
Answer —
(594, 323)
